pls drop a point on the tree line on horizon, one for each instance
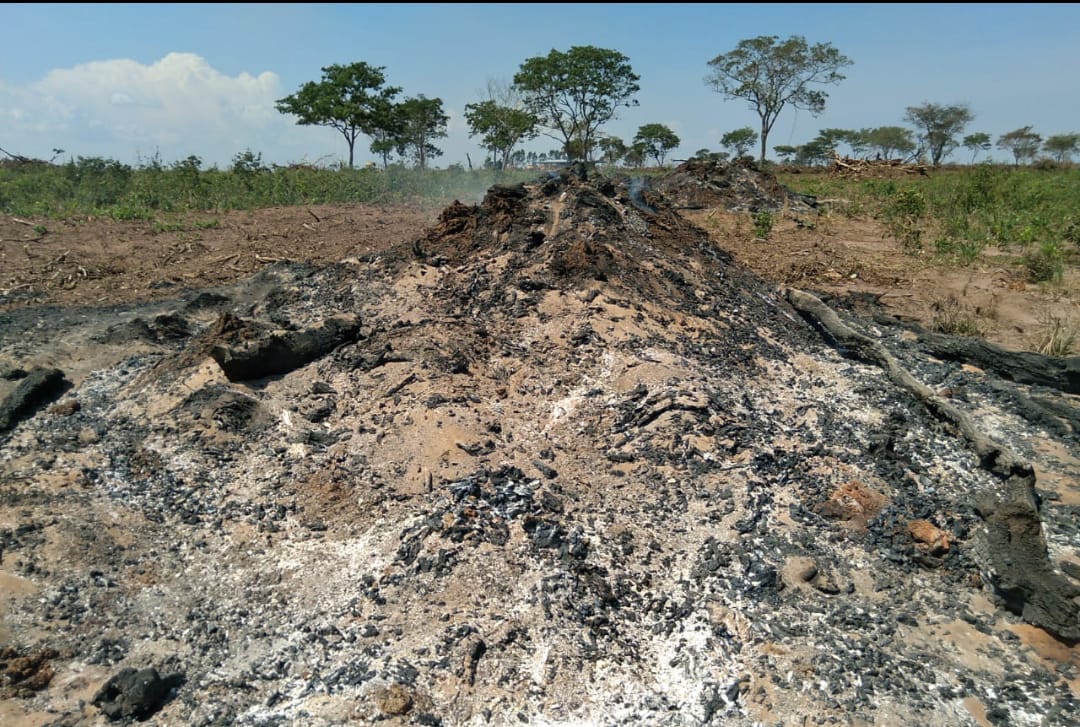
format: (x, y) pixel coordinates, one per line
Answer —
(569, 96)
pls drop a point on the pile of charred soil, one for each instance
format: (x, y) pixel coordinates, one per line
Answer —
(559, 460)
(738, 186)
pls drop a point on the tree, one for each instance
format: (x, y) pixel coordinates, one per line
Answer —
(635, 156)
(822, 147)
(976, 142)
(575, 93)
(1023, 143)
(786, 152)
(739, 141)
(857, 139)
(612, 149)
(1062, 146)
(889, 140)
(422, 120)
(656, 140)
(939, 126)
(501, 128)
(347, 99)
(501, 121)
(388, 127)
(819, 150)
(771, 74)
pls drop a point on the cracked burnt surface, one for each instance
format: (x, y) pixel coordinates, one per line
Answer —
(559, 460)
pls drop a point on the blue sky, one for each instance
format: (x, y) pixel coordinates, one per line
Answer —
(131, 81)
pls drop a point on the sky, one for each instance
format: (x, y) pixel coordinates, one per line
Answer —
(133, 82)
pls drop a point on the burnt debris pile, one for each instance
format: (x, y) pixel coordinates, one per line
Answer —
(737, 186)
(560, 460)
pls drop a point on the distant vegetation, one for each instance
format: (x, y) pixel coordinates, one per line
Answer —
(107, 188)
(955, 212)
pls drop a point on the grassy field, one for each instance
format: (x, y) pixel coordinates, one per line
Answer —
(960, 213)
(955, 213)
(106, 188)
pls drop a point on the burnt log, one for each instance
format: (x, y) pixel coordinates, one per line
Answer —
(1012, 546)
(1023, 367)
(40, 387)
(281, 352)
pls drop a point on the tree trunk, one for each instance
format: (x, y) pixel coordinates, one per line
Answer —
(764, 137)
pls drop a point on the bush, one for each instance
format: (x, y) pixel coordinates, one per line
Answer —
(763, 224)
(1047, 264)
(904, 216)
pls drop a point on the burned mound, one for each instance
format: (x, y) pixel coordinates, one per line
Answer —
(564, 233)
(737, 186)
(559, 460)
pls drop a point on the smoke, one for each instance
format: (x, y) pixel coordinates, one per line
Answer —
(636, 187)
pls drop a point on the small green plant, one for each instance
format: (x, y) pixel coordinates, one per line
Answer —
(207, 224)
(968, 251)
(130, 212)
(961, 251)
(954, 318)
(903, 218)
(40, 230)
(1046, 264)
(1071, 233)
(763, 224)
(159, 227)
(1057, 334)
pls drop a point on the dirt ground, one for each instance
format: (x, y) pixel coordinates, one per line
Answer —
(95, 262)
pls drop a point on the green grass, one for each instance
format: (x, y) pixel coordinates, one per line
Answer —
(1030, 212)
(106, 188)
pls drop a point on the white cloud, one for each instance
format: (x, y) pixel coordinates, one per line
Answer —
(178, 105)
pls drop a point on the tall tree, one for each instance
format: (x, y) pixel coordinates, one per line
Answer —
(422, 120)
(656, 140)
(612, 148)
(823, 146)
(772, 74)
(387, 128)
(939, 126)
(979, 141)
(347, 99)
(889, 140)
(575, 93)
(500, 128)
(819, 150)
(786, 152)
(739, 141)
(501, 121)
(635, 156)
(1062, 146)
(1023, 143)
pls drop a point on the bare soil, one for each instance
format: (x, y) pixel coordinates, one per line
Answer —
(93, 261)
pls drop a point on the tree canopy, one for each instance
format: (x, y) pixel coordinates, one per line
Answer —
(979, 141)
(348, 98)
(772, 74)
(573, 94)
(886, 141)
(939, 126)
(655, 141)
(1023, 143)
(500, 127)
(1062, 146)
(612, 148)
(422, 120)
(739, 141)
